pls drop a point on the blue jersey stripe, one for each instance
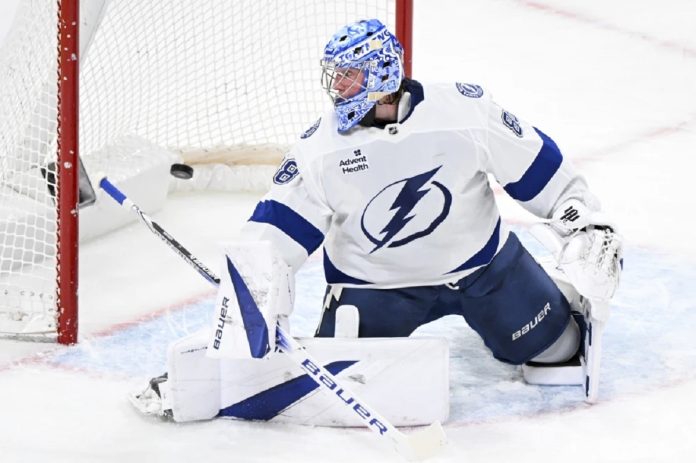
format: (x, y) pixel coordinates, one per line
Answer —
(335, 276)
(539, 173)
(289, 222)
(485, 254)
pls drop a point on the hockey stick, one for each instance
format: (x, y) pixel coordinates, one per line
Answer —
(413, 446)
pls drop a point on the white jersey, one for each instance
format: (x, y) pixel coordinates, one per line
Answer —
(409, 204)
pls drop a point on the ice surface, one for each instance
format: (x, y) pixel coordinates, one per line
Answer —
(613, 83)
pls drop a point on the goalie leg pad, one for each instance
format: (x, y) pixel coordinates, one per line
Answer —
(571, 372)
(347, 321)
(565, 347)
(194, 379)
(590, 315)
(383, 372)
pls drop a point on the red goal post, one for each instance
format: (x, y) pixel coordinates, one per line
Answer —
(128, 87)
(67, 161)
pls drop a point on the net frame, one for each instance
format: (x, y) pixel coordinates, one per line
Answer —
(67, 162)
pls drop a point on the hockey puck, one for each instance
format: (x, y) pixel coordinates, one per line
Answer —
(181, 171)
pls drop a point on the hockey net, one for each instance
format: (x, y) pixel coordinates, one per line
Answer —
(207, 82)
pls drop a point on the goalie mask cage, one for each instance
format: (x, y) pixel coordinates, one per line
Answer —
(160, 81)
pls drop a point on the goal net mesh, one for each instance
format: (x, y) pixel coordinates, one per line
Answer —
(205, 81)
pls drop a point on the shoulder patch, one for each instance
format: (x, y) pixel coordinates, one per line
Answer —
(310, 131)
(470, 90)
(512, 123)
(286, 172)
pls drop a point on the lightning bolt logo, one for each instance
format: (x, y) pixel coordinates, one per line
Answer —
(410, 195)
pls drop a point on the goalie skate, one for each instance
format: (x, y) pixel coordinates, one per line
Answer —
(568, 373)
(583, 369)
(150, 401)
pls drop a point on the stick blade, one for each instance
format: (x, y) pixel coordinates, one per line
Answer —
(424, 443)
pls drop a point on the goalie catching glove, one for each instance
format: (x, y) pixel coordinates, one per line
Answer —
(586, 248)
(255, 295)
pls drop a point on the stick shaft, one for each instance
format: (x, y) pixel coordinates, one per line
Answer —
(155, 228)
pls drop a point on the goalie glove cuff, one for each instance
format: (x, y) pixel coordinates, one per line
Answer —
(573, 215)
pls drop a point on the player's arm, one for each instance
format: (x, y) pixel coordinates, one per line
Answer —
(292, 216)
(532, 170)
(256, 291)
(530, 166)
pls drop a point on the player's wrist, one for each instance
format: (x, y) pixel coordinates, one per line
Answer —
(573, 216)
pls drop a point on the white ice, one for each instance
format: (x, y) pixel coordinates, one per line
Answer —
(614, 83)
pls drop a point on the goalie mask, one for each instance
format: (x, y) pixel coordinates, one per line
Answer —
(362, 63)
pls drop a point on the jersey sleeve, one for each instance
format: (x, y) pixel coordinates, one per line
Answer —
(529, 165)
(291, 215)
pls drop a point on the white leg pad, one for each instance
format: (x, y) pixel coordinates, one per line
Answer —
(347, 322)
(193, 385)
(558, 375)
(386, 373)
(565, 374)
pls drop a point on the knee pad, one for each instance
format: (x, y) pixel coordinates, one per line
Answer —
(565, 347)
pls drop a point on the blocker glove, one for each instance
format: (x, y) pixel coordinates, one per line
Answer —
(255, 295)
